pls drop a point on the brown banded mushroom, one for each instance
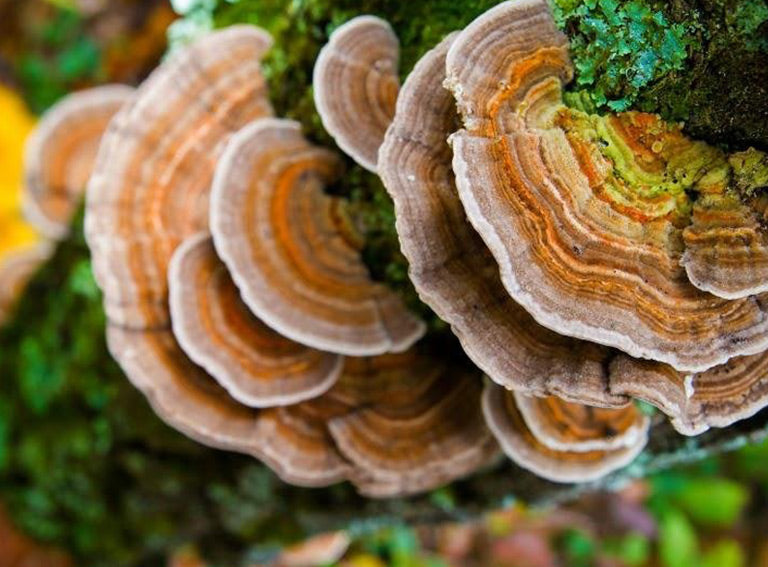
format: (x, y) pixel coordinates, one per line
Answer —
(151, 185)
(149, 192)
(181, 393)
(355, 85)
(16, 268)
(717, 397)
(293, 251)
(414, 424)
(561, 441)
(585, 214)
(60, 155)
(451, 267)
(258, 367)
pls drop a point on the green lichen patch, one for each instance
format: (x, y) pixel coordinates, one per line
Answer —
(702, 62)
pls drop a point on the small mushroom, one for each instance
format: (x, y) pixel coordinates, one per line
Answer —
(585, 214)
(726, 250)
(151, 185)
(258, 367)
(414, 424)
(717, 397)
(292, 250)
(356, 84)
(16, 268)
(564, 442)
(451, 267)
(60, 155)
(182, 394)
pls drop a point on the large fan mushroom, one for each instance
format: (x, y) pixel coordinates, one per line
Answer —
(355, 85)
(292, 250)
(60, 155)
(451, 267)
(562, 441)
(148, 193)
(586, 215)
(151, 185)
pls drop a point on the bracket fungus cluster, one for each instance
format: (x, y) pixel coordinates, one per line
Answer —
(582, 261)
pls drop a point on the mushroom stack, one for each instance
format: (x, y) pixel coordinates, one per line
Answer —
(239, 303)
(593, 258)
(237, 298)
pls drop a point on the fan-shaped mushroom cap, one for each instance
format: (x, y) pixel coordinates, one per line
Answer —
(717, 397)
(566, 426)
(451, 267)
(563, 442)
(413, 424)
(182, 394)
(298, 446)
(61, 152)
(726, 245)
(257, 366)
(151, 184)
(587, 254)
(356, 83)
(15, 270)
(292, 250)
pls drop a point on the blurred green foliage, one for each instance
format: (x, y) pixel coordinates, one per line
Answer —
(58, 57)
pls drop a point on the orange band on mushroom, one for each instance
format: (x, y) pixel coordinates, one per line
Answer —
(290, 250)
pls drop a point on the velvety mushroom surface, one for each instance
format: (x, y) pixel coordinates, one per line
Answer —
(256, 365)
(355, 85)
(560, 441)
(590, 217)
(60, 155)
(151, 186)
(451, 267)
(293, 251)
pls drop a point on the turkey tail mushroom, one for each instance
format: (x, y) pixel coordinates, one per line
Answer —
(151, 184)
(585, 214)
(258, 367)
(148, 193)
(451, 267)
(561, 441)
(356, 84)
(292, 250)
(60, 155)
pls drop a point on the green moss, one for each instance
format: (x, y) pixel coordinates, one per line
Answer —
(702, 62)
